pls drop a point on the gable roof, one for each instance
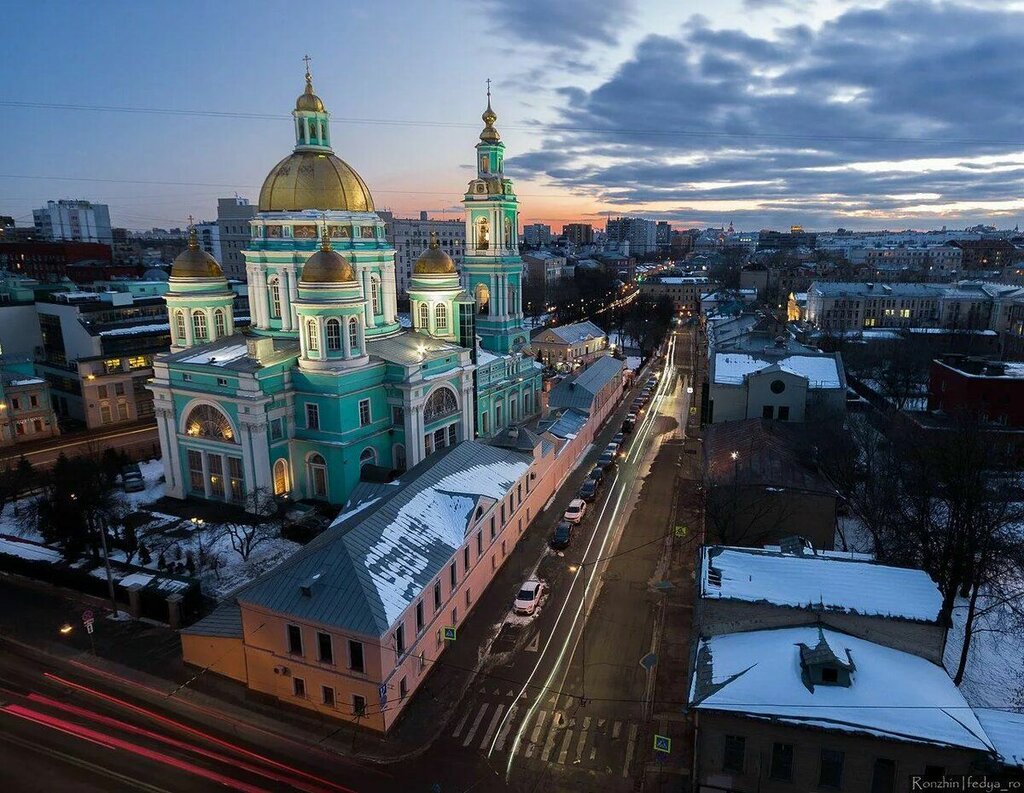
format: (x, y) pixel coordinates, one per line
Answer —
(1006, 730)
(580, 331)
(579, 391)
(380, 554)
(820, 370)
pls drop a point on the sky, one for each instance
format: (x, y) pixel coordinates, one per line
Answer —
(763, 113)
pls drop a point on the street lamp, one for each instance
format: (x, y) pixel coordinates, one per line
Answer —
(65, 629)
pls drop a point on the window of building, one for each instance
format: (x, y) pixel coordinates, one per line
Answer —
(294, 640)
(37, 425)
(276, 429)
(494, 532)
(280, 478)
(468, 598)
(195, 471)
(453, 434)
(399, 643)
(768, 412)
(101, 392)
(453, 576)
(441, 316)
(312, 416)
(358, 705)
(317, 476)
(465, 560)
(353, 334)
(831, 772)
(299, 687)
(122, 411)
(219, 323)
(222, 382)
(782, 762)
(312, 336)
(778, 386)
(179, 325)
(368, 457)
(883, 776)
(732, 756)
(105, 415)
(364, 412)
(325, 649)
(419, 617)
(437, 596)
(275, 299)
(403, 689)
(784, 412)
(327, 695)
(33, 400)
(375, 295)
(479, 544)
(355, 656)
(397, 415)
(333, 332)
(199, 330)
(424, 311)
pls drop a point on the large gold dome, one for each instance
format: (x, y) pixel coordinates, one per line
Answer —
(314, 180)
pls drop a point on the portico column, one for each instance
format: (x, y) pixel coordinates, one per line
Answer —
(346, 342)
(468, 408)
(247, 457)
(495, 307)
(416, 430)
(303, 349)
(321, 340)
(264, 299)
(368, 297)
(261, 476)
(390, 293)
(211, 329)
(189, 328)
(225, 474)
(292, 313)
(206, 473)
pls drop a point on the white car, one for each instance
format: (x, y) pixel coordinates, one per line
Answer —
(529, 596)
(574, 514)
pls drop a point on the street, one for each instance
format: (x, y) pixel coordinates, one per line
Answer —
(137, 441)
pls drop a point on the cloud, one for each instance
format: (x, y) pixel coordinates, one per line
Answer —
(561, 23)
(878, 114)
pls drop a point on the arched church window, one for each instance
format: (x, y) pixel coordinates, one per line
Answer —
(312, 336)
(398, 454)
(179, 324)
(483, 234)
(275, 298)
(424, 316)
(441, 403)
(508, 233)
(483, 299)
(332, 330)
(280, 478)
(441, 316)
(368, 457)
(353, 333)
(199, 326)
(219, 324)
(317, 475)
(512, 299)
(375, 294)
(205, 421)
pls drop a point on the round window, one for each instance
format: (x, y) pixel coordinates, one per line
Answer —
(778, 386)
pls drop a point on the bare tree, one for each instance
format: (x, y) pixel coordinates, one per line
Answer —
(259, 523)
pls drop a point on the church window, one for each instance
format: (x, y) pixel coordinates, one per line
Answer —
(179, 324)
(317, 476)
(195, 471)
(219, 325)
(483, 299)
(280, 478)
(441, 316)
(364, 412)
(424, 316)
(312, 416)
(312, 336)
(333, 333)
(508, 233)
(399, 457)
(353, 334)
(199, 325)
(368, 457)
(453, 434)
(206, 421)
(275, 298)
(375, 295)
(441, 403)
(483, 234)
(484, 164)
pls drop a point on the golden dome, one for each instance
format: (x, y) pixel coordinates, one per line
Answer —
(489, 134)
(314, 180)
(434, 261)
(327, 266)
(194, 262)
(307, 99)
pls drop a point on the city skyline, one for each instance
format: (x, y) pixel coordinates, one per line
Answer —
(647, 109)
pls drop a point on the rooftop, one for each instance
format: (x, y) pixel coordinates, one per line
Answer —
(821, 370)
(580, 331)
(827, 583)
(580, 390)
(1006, 731)
(769, 453)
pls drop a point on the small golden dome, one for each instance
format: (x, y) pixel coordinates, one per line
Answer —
(327, 266)
(489, 133)
(434, 261)
(307, 99)
(314, 180)
(194, 262)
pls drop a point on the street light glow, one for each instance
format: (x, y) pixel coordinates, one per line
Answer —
(66, 629)
(735, 455)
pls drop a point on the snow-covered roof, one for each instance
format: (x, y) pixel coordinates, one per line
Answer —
(154, 327)
(577, 332)
(821, 371)
(25, 381)
(219, 357)
(580, 391)
(1006, 731)
(892, 695)
(817, 582)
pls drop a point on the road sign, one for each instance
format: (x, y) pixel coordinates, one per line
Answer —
(383, 691)
(662, 743)
(449, 633)
(88, 627)
(88, 616)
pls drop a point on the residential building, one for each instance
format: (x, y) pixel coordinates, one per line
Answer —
(411, 239)
(544, 271)
(536, 235)
(578, 234)
(685, 291)
(569, 344)
(327, 383)
(796, 237)
(991, 390)
(595, 390)
(49, 262)
(743, 589)
(632, 236)
(26, 409)
(813, 708)
(78, 221)
(986, 254)
(208, 235)
(759, 486)
(233, 216)
(663, 235)
(775, 383)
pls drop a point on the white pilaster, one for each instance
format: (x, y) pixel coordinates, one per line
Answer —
(346, 342)
(206, 474)
(293, 317)
(247, 458)
(263, 298)
(367, 296)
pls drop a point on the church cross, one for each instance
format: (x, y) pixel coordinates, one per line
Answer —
(306, 59)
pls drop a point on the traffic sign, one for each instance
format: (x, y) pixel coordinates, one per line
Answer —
(662, 743)
(88, 627)
(449, 633)
(383, 691)
(88, 616)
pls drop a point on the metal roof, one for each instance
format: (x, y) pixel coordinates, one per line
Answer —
(580, 390)
(580, 331)
(224, 622)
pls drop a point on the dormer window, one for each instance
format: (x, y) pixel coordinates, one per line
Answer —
(829, 674)
(820, 666)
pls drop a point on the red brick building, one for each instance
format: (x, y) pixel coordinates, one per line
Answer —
(994, 389)
(48, 261)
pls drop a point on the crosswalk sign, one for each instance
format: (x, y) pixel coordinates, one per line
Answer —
(662, 743)
(449, 633)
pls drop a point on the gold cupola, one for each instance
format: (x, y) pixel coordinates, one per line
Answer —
(489, 133)
(194, 262)
(327, 266)
(434, 261)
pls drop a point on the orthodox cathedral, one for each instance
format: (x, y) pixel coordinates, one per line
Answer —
(326, 387)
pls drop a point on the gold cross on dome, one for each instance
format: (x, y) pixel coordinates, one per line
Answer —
(191, 221)
(488, 87)
(306, 59)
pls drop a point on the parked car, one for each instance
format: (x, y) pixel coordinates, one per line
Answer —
(577, 507)
(596, 473)
(562, 535)
(606, 461)
(131, 468)
(588, 490)
(133, 483)
(619, 438)
(612, 449)
(629, 422)
(529, 596)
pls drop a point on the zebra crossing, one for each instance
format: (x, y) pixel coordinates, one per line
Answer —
(593, 743)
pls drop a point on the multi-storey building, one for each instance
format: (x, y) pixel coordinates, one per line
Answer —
(578, 233)
(411, 238)
(537, 234)
(663, 235)
(233, 216)
(208, 235)
(635, 236)
(26, 410)
(80, 221)
(49, 261)
(685, 290)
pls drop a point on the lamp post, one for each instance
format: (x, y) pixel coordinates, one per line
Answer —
(735, 465)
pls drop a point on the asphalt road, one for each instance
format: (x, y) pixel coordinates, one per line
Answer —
(137, 441)
(564, 707)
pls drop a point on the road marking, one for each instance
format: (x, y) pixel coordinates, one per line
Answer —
(582, 741)
(549, 744)
(510, 693)
(536, 731)
(630, 747)
(534, 644)
(564, 751)
(601, 723)
(492, 726)
(476, 725)
(503, 733)
(593, 752)
(616, 730)
(462, 723)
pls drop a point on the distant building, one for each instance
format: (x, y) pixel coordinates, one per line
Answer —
(685, 290)
(796, 237)
(570, 344)
(544, 271)
(663, 235)
(411, 238)
(578, 233)
(80, 221)
(640, 234)
(49, 261)
(233, 216)
(993, 390)
(26, 410)
(987, 254)
(208, 235)
(537, 234)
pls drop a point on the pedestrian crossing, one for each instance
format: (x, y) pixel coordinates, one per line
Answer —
(559, 736)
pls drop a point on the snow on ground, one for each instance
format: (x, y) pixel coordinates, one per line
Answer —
(28, 550)
(633, 362)
(851, 535)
